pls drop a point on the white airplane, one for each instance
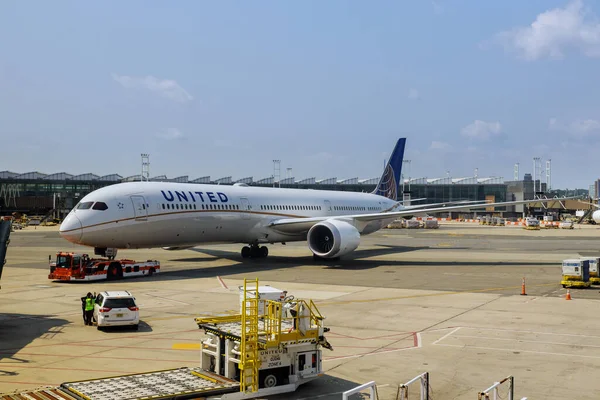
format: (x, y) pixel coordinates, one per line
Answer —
(595, 214)
(178, 216)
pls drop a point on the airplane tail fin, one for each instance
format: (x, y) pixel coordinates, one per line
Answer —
(388, 184)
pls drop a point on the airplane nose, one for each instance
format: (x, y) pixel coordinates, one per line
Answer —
(70, 228)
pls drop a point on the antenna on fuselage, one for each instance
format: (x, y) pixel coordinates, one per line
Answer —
(145, 167)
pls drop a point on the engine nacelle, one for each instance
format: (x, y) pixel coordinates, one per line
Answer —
(333, 238)
(178, 248)
(596, 216)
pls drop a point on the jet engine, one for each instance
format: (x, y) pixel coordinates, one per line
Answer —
(333, 238)
(596, 216)
(178, 247)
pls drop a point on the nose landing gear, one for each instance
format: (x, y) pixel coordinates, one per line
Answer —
(255, 251)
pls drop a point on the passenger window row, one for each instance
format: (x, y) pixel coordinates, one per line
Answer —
(354, 208)
(289, 208)
(184, 206)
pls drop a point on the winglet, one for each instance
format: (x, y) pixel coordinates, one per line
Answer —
(388, 184)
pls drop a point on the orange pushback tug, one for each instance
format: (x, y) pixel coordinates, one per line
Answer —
(80, 267)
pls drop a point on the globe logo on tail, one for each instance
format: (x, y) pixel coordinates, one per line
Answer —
(387, 185)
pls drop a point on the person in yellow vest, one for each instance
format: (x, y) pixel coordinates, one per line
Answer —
(89, 308)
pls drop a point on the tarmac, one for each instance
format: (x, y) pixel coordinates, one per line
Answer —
(445, 301)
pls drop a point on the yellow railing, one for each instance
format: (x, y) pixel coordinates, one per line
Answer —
(274, 332)
(219, 319)
(249, 361)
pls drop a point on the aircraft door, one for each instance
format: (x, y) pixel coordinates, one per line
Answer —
(327, 207)
(245, 207)
(140, 208)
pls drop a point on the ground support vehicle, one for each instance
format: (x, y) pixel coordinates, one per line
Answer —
(532, 224)
(268, 353)
(244, 356)
(576, 273)
(566, 225)
(594, 276)
(116, 308)
(80, 267)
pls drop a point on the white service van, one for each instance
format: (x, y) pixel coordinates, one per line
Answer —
(116, 308)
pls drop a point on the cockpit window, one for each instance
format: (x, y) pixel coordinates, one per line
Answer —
(100, 206)
(85, 205)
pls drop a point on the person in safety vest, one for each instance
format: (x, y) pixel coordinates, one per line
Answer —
(89, 308)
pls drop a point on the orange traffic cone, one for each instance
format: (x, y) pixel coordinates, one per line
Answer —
(523, 288)
(568, 295)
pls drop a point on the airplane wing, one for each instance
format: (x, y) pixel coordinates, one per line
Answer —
(301, 225)
(411, 207)
(411, 200)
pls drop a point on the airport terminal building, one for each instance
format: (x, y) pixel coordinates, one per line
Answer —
(54, 195)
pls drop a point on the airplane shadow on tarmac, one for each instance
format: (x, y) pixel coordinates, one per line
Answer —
(358, 260)
(18, 330)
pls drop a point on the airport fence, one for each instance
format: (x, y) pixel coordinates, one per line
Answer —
(423, 380)
(507, 383)
(369, 385)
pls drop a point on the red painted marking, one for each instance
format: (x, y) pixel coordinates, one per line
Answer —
(120, 347)
(379, 350)
(97, 356)
(372, 337)
(386, 350)
(138, 337)
(71, 369)
(222, 283)
(362, 347)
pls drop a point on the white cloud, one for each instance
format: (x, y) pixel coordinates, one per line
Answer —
(164, 87)
(436, 145)
(170, 134)
(413, 94)
(577, 128)
(553, 32)
(481, 129)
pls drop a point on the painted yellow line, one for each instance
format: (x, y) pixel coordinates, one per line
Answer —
(206, 377)
(186, 346)
(335, 303)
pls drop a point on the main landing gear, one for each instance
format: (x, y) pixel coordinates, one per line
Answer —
(255, 251)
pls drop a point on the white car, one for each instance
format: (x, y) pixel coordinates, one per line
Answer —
(116, 308)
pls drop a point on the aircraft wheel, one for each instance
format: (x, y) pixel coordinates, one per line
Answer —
(246, 251)
(264, 251)
(254, 251)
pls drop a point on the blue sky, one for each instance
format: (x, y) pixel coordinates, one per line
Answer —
(223, 88)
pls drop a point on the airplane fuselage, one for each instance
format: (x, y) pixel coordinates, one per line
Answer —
(164, 214)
